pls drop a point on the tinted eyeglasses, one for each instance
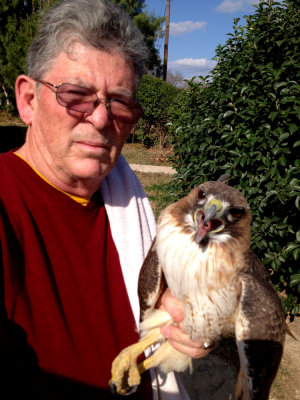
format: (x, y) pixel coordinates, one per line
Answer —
(84, 100)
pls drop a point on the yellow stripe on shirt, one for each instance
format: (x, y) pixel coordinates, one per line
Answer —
(81, 200)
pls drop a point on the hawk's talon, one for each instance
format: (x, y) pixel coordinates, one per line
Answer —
(125, 376)
(125, 373)
(131, 391)
(113, 389)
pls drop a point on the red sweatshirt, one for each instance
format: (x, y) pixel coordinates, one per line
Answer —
(61, 285)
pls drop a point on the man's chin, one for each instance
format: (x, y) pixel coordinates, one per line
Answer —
(92, 169)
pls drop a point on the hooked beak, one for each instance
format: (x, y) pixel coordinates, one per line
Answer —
(210, 213)
(207, 221)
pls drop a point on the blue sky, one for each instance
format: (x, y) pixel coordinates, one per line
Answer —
(197, 27)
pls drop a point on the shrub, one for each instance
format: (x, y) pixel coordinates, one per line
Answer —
(155, 96)
(243, 120)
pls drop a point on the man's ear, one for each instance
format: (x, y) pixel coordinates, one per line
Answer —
(25, 94)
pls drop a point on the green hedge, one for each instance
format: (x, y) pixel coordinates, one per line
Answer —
(243, 119)
(155, 96)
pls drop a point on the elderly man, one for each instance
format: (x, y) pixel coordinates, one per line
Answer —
(75, 224)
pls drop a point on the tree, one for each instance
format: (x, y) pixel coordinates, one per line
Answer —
(243, 120)
(176, 78)
(19, 23)
(151, 28)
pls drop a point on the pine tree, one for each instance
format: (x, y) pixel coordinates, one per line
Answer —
(19, 23)
(149, 25)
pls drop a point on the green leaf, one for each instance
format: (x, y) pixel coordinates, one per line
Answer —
(293, 128)
(282, 161)
(295, 279)
(228, 113)
(291, 247)
(296, 253)
(283, 136)
(273, 115)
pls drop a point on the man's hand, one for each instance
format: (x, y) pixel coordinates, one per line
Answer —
(177, 337)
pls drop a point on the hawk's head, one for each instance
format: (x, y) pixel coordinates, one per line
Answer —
(214, 212)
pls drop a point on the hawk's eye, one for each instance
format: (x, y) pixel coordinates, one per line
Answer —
(236, 212)
(201, 194)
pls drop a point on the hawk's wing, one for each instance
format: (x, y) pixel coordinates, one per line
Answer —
(151, 284)
(260, 330)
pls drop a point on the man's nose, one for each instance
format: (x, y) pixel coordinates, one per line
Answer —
(99, 117)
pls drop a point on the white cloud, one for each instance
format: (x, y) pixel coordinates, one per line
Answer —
(190, 67)
(181, 28)
(230, 6)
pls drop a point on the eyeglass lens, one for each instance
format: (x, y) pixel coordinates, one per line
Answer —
(83, 100)
(76, 97)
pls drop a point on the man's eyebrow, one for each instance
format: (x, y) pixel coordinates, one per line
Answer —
(80, 82)
(118, 91)
(122, 92)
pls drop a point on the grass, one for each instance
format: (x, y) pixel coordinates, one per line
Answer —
(136, 153)
(157, 186)
(7, 119)
(278, 390)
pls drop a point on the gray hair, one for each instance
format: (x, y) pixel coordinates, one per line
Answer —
(98, 23)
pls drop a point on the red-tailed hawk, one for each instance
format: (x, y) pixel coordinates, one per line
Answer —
(202, 253)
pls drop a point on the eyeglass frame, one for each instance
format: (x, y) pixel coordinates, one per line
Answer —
(106, 102)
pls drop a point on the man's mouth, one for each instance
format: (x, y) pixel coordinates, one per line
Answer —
(93, 146)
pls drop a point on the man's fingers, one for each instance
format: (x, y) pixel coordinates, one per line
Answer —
(181, 341)
(172, 306)
(177, 337)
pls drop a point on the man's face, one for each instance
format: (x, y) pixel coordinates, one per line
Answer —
(70, 147)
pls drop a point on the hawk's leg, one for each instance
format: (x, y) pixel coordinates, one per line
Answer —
(167, 358)
(125, 364)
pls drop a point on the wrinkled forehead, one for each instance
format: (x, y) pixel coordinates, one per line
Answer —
(92, 68)
(75, 56)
